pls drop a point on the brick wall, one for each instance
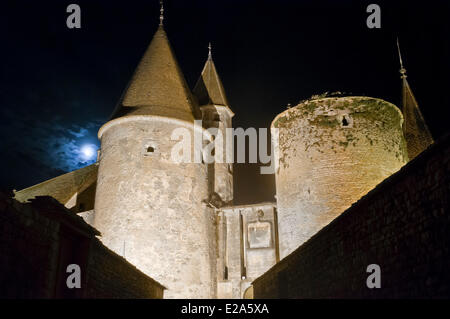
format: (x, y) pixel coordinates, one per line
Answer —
(37, 242)
(403, 225)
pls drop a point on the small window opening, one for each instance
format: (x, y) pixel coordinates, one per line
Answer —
(81, 207)
(344, 121)
(149, 148)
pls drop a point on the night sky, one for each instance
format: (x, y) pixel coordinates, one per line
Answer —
(59, 85)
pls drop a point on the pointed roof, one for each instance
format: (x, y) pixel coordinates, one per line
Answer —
(209, 88)
(417, 134)
(158, 86)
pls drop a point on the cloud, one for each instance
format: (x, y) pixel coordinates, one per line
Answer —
(81, 133)
(45, 143)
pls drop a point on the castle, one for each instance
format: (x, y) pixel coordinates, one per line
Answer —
(176, 222)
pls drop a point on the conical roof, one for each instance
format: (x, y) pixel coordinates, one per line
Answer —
(417, 134)
(158, 86)
(209, 88)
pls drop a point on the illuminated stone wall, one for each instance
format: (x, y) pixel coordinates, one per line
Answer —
(330, 152)
(248, 246)
(150, 210)
(220, 118)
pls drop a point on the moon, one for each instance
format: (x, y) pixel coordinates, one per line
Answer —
(88, 151)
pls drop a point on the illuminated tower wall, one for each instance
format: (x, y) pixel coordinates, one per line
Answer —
(330, 152)
(149, 208)
(217, 114)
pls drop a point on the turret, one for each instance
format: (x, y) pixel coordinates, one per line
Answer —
(216, 113)
(329, 152)
(149, 208)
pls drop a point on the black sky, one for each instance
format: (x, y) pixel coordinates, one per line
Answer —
(57, 86)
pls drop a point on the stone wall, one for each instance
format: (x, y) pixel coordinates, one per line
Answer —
(402, 225)
(37, 242)
(248, 246)
(329, 153)
(216, 117)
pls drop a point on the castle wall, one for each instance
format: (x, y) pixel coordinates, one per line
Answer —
(329, 153)
(402, 226)
(248, 246)
(220, 117)
(223, 181)
(150, 210)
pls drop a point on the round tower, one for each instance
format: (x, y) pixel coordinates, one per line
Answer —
(330, 152)
(149, 208)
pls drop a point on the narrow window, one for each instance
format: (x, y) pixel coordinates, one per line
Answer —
(344, 121)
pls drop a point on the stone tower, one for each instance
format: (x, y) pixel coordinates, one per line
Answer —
(217, 114)
(329, 153)
(148, 208)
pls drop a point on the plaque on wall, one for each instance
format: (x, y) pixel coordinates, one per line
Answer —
(259, 235)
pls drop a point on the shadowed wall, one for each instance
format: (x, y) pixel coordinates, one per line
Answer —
(402, 225)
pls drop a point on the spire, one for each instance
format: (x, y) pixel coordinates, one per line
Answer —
(161, 12)
(209, 51)
(158, 86)
(417, 134)
(209, 88)
(402, 69)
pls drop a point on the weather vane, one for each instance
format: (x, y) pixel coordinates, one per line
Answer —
(161, 12)
(402, 69)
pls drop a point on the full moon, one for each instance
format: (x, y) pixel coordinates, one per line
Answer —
(88, 151)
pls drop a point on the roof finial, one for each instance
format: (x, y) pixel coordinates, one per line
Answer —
(161, 12)
(209, 52)
(402, 69)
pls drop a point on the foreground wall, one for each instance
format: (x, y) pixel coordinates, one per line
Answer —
(402, 225)
(111, 276)
(39, 240)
